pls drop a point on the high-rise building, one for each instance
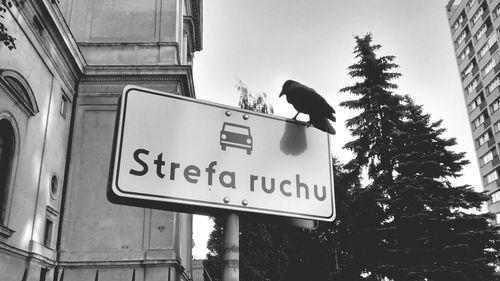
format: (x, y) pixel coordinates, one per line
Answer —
(58, 99)
(474, 26)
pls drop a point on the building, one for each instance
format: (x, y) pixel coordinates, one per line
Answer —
(58, 98)
(474, 26)
(199, 271)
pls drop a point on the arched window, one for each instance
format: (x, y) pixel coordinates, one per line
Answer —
(6, 156)
(18, 89)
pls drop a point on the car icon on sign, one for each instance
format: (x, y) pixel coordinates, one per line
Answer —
(237, 136)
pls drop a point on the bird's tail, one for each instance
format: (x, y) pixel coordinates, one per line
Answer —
(323, 124)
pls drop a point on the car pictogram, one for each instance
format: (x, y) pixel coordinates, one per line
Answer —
(235, 135)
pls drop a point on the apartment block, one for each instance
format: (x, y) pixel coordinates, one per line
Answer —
(475, 30)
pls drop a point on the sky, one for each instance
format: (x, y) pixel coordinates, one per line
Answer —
(263, 43)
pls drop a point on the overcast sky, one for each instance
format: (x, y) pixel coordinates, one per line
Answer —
(264, 43)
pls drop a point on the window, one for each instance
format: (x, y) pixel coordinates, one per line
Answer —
(43, 273)
(482, 139)
(496, 11)
(483, 160)
(495, 105)
(495, 196)
(477, 15)
(54, 186)
(489, 66)
(465, 53)
(47, 236)
(476, 102)
(494, 84)
(496, 127)
(6, 156)
(472, 86)
(491, 177)
(470, 3)
(481, 32)
(487, 46)
(457, 23)
(479, 120)
(64, 102)
(497, 217)
(469, 68)
(462, 37)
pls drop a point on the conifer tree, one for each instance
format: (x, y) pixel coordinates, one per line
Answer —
(275, 252)
(409, 222)
(374, 131)
(429, 233)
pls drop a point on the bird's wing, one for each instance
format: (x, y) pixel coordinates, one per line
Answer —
(321, 123)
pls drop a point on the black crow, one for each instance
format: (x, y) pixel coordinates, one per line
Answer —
(307, 100)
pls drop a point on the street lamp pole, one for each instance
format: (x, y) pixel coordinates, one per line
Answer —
(231, 271)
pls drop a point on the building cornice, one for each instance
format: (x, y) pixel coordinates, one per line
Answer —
(47, 30)
(182, 74)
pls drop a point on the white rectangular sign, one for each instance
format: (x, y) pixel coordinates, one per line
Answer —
(173, 150)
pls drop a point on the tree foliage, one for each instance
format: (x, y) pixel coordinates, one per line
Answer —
(5, 38)
(409, 222)
(271, 252)
(274, 252)
(258, 103)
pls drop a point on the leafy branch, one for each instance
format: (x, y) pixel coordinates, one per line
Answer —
(5, 37)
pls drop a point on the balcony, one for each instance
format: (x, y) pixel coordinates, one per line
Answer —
(496, 68)
(495, 161)
(491, 142)
(482, 105)
(493, 4)
(493, 48)
(461, 46)
(454, 9)
(479, 87)
(494, 92)
(482, 40)
(486, 123)
(476, 26)
(492, 185)
(472, 9)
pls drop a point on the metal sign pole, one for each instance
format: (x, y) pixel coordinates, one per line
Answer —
(231, 271)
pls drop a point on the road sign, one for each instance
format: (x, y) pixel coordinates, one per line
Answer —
(175, 152)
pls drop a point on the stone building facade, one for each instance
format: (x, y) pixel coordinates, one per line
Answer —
(58, 98)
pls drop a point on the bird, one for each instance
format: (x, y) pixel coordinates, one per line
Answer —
(306, 100)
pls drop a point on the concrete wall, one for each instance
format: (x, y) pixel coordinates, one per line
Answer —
(99, 235)
(127, 31)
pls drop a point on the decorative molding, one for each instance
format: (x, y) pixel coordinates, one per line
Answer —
(197, 12)
(42, 253)
(181, 74)
(19, 90)
(120, 263)
(5, 231)
(55, 42)
(52, 213)
(26, 255)
(129, 78)
(132, 43)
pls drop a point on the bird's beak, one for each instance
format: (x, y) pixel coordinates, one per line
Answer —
(282, 93)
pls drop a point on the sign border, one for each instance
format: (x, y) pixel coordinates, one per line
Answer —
(117, 195)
